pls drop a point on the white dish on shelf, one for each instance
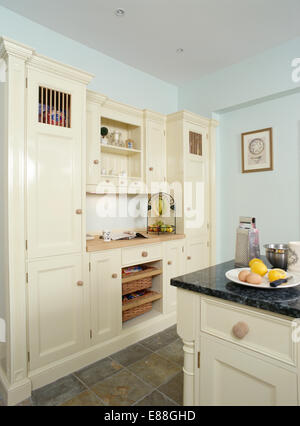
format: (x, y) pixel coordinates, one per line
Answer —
(233, 275)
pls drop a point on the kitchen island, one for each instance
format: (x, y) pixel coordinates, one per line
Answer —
(240, 343)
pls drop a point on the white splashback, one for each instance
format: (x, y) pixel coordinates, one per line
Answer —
(115, 212)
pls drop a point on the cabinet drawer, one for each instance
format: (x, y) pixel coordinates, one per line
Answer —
(139, 254)
(267, 334)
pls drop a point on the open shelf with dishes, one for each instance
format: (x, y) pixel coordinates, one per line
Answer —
(141, 290)
(121, 149)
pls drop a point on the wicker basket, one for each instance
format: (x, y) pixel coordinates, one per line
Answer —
(135, 312)
(136, 285)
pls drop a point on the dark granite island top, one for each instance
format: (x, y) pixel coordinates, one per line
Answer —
(213, 282)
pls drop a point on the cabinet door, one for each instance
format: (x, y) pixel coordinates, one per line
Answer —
(231, 377)
(106, 295)
(54, 165)
(196, 176)
(93, 144)
(174, 267)
(55, 308)
(155, 153)
(197, 254)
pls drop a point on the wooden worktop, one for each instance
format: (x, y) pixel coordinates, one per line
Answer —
(99, 245)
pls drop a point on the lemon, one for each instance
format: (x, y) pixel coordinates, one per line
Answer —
(259, 268)
(276, 274)
(254, 260)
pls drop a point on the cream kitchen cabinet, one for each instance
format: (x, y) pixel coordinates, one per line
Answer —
(54, 167)
(257, 366)
(113, 161)
(56, 309)
(190, 163)
(232, 377)
(61, 316)
(197, 254)
(174, 266)
(106, 295)
(155, 150)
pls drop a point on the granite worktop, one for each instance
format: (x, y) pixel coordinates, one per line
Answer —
(213, 282)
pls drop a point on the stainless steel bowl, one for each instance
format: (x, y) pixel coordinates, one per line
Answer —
(277, 255)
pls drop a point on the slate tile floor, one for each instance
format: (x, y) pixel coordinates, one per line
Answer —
(148, 373)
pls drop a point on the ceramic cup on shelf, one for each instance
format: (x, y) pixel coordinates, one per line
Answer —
(294, 257)
(106, 236)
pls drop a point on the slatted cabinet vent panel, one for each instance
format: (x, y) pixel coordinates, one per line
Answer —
(195, 143)
(54, 107)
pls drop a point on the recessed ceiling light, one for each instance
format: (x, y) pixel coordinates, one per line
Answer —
(120, 12)
(180, 50)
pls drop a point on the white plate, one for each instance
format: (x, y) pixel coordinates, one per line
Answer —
(233, 276)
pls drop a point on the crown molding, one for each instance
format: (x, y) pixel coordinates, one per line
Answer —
(43, 63)
(156, 116)
(123, 108)
(9, 47)
(214, 123)
(96, 97)
(189, 116)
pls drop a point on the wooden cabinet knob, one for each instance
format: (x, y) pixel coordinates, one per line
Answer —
(170, 262)
(188, 209)
(114, 276)
(107, 181)
(96, 161)
(151, 169)
(240, 330)
(145, 254)
(189, 258)
(78, 211)
(80, 283)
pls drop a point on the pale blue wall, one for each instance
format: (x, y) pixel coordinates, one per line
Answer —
(113, 78)
(255, 78)
(254, 94)
(272, 197)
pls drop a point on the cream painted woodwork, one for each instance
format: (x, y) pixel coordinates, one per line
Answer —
(261, 368)
(218, 319)
(191, 177)
(106, 295)
(174, 266)
(113, 169)
(55, 309)
(155, 151)
(92, 147)
(231, 377)
(54, 172)
(55, 306)
(141, 254)
(34, 219)
(197, 254)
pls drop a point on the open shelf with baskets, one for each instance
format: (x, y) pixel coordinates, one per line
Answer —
(141, 288)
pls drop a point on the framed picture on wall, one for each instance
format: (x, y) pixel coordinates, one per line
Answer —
(257, 151)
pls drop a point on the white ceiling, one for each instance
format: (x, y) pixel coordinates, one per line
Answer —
(213, 33)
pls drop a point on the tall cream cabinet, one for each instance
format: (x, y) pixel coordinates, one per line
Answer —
(62, 305)
(44, 131)
(191, 176)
